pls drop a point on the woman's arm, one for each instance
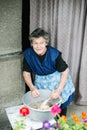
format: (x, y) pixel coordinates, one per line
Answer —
(63, 79)
(28, 81)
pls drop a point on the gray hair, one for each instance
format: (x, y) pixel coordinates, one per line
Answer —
(39, 33)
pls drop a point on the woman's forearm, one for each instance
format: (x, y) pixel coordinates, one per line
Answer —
(28, 80)
(63, 80)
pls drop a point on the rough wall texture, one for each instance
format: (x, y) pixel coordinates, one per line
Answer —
(10, 26)
(11, 80)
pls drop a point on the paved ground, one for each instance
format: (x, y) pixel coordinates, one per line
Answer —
(5, 125)
(77, 109)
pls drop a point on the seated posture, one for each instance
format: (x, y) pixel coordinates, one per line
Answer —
(49, 69)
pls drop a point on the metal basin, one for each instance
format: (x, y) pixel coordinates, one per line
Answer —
(36, 114)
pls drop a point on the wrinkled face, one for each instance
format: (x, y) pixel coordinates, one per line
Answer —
(39, 45)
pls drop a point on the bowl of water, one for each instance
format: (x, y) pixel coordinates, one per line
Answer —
(33, 104)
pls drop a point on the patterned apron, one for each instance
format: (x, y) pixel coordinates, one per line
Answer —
(52, 81)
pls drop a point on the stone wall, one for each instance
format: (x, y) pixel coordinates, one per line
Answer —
(11, 81)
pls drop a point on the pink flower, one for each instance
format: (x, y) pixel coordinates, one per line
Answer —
(55, 109)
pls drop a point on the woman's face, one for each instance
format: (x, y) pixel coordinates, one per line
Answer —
(39, 45)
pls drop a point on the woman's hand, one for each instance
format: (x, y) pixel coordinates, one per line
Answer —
(35, 93)
(55, 94)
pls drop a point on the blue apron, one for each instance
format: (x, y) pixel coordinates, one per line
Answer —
(52, 81)
(46, 76)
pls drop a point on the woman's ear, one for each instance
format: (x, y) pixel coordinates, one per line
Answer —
(46, 44)
(31, 44)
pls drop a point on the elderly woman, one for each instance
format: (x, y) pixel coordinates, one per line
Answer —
(49, 69)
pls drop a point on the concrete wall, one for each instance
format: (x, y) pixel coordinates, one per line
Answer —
(10, 26)
(11, 80)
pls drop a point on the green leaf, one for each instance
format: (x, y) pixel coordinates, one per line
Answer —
(19, 125)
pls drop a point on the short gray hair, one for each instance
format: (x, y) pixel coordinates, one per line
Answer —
(39, 32)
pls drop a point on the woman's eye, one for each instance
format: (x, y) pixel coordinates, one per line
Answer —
(35, 43)
(42, 43)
